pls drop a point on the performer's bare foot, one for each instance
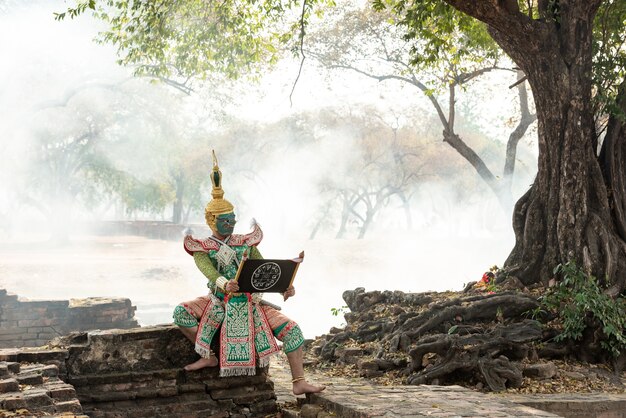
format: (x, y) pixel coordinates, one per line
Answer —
(301, 387)
(202, 363)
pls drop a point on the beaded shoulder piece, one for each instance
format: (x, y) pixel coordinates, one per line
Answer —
(252, 239)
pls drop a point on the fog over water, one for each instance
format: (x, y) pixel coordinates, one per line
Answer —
(280, 163)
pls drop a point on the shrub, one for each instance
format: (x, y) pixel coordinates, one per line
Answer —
(578, 301)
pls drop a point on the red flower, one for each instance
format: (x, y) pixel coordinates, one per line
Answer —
(486, 278)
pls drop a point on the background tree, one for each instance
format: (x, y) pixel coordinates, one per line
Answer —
(372, 44)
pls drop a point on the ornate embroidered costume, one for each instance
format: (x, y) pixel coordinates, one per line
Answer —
(249, 329)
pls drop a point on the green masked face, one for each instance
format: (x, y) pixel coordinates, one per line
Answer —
(225, 224)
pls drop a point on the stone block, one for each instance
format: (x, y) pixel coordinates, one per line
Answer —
(42, 356)
(98, 379)
(231, 393)
(47, 304)
(37, 398)
(191, 388)
(9, 385)
(217, 382)
(147, 393)
(29, 378)
(264, 408)
(11, 343)
(165, 392)
(36, 330)
(166, 383)
(45, 321)
(72, 406)
(108, 396)
(9, 354)
(47, 336)
(4, 371)
(62, 392)
(13, 403)
(13, 366)
(254, 397)
(50, 370)
(12, 331)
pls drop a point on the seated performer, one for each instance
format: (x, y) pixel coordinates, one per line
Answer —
(249, 328)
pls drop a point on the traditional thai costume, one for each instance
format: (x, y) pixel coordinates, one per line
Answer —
(249, 329)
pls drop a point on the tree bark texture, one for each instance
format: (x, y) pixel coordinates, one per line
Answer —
(575, 208)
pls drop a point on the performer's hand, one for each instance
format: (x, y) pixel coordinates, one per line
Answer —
(232, 286)
(300, 258)
(291, 291)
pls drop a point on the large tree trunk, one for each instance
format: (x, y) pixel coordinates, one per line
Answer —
(567, 213)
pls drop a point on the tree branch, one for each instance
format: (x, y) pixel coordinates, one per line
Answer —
(302, 33)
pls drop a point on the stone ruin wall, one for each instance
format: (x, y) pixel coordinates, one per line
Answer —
(127, 373)
(119, 370)
(26, 323)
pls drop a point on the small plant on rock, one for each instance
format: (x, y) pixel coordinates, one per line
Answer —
(337, 311)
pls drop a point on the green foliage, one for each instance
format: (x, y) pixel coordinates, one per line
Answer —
(73, 12)
(579, 303)
(337, 311)
(198, 38)
(609, 56)
(440, 32)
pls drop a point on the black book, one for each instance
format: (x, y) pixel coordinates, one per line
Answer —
(267, 276)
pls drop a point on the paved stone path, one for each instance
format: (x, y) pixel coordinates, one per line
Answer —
(358, 398)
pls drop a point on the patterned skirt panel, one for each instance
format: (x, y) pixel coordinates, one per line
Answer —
(284, 329)
(188, 313)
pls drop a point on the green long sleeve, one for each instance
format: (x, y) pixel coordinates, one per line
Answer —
(255, 254)
(206, 267)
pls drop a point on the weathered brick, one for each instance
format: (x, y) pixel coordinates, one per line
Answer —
(9, 355)
(230, 393)
(254, 397)
(62, 393)
(69, 406)
(9, 385)
(191, 387)
(12, 331)
(30, 379)
(37, 398)
(47, 336)
(112, 396)
(13, 367)
(36, 330)
(264, 407)
(14, 402)
(165, 392)
(42, 355)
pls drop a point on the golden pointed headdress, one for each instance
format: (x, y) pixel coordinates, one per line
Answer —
(218, 205)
